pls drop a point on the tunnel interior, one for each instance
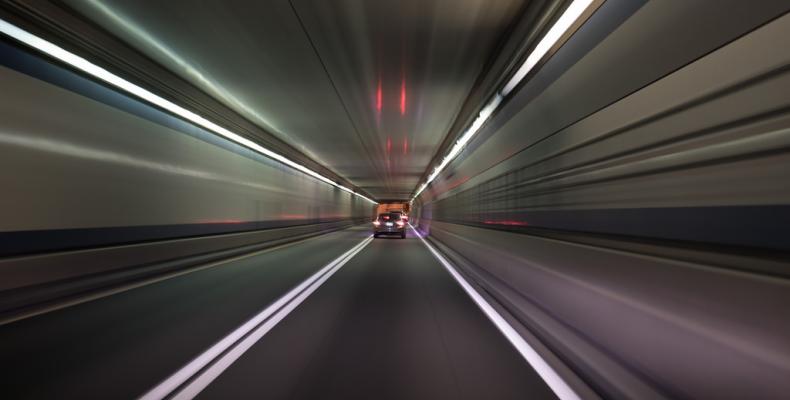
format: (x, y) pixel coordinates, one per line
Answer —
(306, 199)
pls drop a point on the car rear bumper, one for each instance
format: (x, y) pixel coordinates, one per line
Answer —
(389, 230)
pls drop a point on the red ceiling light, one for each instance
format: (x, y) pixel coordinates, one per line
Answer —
(403, 96)
(378, 96)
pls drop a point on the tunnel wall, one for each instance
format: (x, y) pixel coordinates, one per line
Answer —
(95, 182)
(629, 206)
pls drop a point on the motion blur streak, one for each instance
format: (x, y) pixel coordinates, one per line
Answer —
(378, 96)
(72, 150)
(568, 18)
(183, 64)
(574, 11)
(597, 191)
(403, 96)
(101, 73)
(232, 346)
(555, 382)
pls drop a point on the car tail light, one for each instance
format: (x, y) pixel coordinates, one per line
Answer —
(376, 223)
(400, 223)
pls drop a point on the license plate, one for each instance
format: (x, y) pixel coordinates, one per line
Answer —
(388, 224)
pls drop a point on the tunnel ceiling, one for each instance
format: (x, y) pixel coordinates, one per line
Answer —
(367, 88)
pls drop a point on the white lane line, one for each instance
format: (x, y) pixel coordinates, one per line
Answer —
(145, 282)
(233, 346)
(555, 382)
(104, 75)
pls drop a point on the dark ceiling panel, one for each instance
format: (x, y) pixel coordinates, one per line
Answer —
(368, 89)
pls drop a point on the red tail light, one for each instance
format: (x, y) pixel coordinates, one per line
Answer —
(376, 223)
(400, 223)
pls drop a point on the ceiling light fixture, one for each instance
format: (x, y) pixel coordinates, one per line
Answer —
(566, 20)
(102, 74)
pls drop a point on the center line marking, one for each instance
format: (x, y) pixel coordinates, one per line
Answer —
(206, 367)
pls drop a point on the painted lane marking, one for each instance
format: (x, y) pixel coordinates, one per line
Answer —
(549, 375)
(206, 367)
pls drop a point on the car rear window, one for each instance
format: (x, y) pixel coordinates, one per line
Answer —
(389, 217)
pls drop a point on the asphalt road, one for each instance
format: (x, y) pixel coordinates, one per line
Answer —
(391, 324)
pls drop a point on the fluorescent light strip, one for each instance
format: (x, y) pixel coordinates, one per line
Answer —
(568, 18)
(106, 76)
(546, 372)
(459, 144)
(211, 363)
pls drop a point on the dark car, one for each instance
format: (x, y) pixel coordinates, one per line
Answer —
(389, 224)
